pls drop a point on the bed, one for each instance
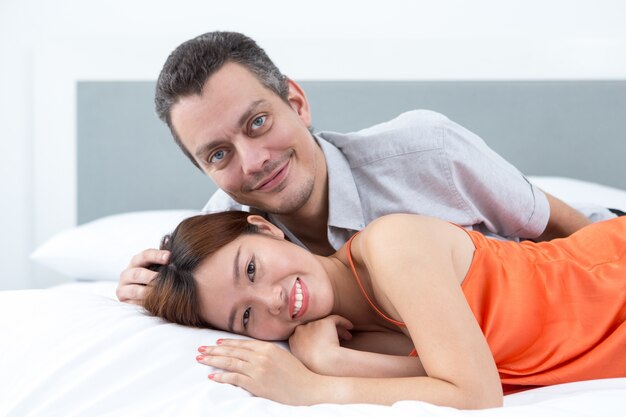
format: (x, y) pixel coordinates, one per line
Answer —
(74, 350)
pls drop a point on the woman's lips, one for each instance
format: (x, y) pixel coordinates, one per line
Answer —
(298, 299)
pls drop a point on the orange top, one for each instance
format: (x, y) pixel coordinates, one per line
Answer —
(551, 312)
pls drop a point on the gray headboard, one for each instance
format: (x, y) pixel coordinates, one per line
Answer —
(128, 161)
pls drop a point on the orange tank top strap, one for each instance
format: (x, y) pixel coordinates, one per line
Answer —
(367, 298)
(358, 280)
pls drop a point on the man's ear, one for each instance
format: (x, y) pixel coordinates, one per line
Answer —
(298, 102)
(265, 226)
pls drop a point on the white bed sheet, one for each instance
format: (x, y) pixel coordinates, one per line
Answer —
(74, 350)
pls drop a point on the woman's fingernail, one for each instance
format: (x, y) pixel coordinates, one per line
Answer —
(219, 341)
(199, 358)
(202, 349)
(211, 376)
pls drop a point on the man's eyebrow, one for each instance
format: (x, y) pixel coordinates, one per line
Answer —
(251, 109)
(206, 148)
(231, 317)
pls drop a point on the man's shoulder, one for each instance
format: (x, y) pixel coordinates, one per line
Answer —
(220, 201)
(413, 131)
(414, 120)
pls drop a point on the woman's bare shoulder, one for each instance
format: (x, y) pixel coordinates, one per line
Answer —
(405, 228)
(397, 237)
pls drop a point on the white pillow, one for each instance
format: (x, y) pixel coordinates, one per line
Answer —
(581, 193)
(101, 249)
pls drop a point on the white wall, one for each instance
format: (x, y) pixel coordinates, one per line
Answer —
(45, 47)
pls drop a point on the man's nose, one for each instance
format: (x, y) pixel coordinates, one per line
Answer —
(253, 157)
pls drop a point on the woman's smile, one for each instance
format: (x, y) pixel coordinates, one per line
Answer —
(298, 299)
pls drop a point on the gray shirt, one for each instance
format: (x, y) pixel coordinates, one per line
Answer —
(420, 162)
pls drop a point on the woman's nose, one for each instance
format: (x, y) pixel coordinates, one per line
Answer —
(275, 300)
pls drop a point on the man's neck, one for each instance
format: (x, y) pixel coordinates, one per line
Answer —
(312, 231)
(310, 223)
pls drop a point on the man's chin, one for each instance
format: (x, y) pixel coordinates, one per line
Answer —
(279, 202)
(281, 208)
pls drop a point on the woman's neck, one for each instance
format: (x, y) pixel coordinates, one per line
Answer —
(348, 300)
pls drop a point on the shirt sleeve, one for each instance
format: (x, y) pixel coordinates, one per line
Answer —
(220, 201)
(503, 200)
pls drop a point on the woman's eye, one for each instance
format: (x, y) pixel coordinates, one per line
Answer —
(246, 317)
(258, 122)
(250, 270)
(217, 156)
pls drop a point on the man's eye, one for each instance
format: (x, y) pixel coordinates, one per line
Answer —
(258, 122)
(250, 270)
(217, 156)
(246, 317)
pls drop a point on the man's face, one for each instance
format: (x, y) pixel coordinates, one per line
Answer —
(251, 143)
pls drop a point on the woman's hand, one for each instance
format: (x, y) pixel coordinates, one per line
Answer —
(317, 344)
(262, 368)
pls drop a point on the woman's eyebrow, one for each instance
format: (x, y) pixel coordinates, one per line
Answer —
(233, 311)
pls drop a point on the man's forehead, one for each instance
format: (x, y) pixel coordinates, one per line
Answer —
(231, 75)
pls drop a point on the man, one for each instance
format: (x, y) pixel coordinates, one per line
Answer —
(247, 126)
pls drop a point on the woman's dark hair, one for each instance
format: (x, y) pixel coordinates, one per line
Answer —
(173, 294)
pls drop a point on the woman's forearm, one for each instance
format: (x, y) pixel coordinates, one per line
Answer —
(356, 363)
(269, 371)
(342, 390)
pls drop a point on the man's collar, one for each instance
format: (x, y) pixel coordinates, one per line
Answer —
(344, 203)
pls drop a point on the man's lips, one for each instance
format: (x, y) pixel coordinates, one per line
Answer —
(276, 178)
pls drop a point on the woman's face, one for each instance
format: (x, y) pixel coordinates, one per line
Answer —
(263, 286)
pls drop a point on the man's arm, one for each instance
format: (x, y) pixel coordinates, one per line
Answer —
(500, 196)
(564, 220)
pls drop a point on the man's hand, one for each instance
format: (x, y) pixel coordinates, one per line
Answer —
(133, 280)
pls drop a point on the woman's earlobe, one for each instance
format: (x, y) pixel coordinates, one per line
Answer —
(265, 226)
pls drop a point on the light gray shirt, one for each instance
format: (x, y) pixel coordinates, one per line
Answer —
(420, 162)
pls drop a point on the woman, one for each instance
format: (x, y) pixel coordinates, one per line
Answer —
(479, 312)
